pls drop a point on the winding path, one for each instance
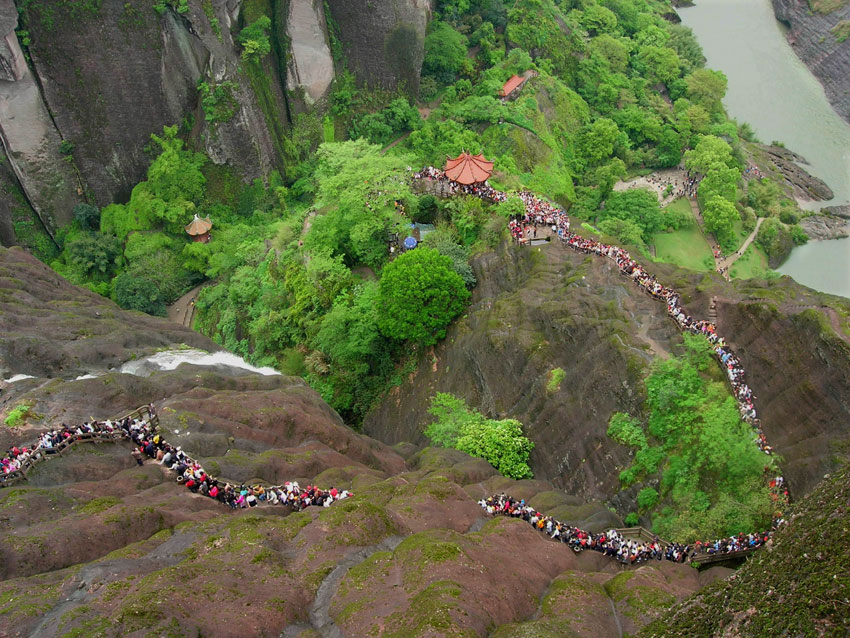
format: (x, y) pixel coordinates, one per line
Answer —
(726, 262)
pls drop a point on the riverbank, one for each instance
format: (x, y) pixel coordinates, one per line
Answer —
(770, 88)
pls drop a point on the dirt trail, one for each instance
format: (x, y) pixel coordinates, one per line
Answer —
(182, 311)
(726, 262)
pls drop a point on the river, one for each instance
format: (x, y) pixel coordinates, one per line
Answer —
(772, 90)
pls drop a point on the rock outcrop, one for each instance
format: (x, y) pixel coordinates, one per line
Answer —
(392, 54)
(799, 182)
(311, 67)
(30, 135)
(535, 311)
(821, 227)
(816, 37)
(49, 328)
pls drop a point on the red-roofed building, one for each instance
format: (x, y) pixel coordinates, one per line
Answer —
(513, 87)
(468, 169)
(199, 229)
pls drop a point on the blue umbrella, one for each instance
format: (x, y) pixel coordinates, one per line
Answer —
(410, 243)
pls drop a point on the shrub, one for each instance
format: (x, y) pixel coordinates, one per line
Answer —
(87, 216)
(445, 52)
(632, 519)
(218, 101)
(132, 292)
(647, 498)
(500, 443)
(556, 376)
(254, 39)
(420, 295)
(19, 414)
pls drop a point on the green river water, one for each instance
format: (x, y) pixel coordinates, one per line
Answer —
(772, 90)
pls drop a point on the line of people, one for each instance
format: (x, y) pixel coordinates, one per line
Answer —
(611, 543)
(189, 472)
(538, 209)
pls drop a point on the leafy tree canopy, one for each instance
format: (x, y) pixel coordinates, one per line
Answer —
(420, 295)
(445, 52)
(360, 191)
(500, 443)
(708, 151)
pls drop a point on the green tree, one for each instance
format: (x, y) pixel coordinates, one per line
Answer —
(359, 356)
(420, 295)
(598, 19)
(92, 255)
(137, 293)
(720, 216)
(87, 216)
(660, 64)
(638, 206)
(445, 52)
(596, 142)
(254, 39)
(625, 231)
(452, 416)
(720, 180)
(444, 243)
(709, 150)
(500, 443)
(707, 88)
(359, 189)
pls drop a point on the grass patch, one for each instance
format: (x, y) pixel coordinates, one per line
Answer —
(556, 376)
(752, 264)
(685, 247)
(19, 414)
(826, 6)
(841, 31)
(99, 505)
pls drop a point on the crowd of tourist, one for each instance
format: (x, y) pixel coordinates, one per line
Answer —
(147, 442)
(540, 212)
(612, 543)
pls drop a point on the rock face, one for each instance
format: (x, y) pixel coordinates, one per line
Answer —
(111, 74)
(392, 54)
(791, 590)
(820, 227)
(311, 67)
(535, 311)
(49, 328)
(93, 544)
(800, 183)
(30, 135)
(813, 36)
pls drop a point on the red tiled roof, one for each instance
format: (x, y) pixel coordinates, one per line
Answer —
(510, 85)
(468, 169)
(199, 226)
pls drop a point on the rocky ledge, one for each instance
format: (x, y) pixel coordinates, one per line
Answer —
(820, 227)
(803, 185)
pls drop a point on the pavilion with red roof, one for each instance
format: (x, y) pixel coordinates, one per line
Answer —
(199, 229)
(468, 169)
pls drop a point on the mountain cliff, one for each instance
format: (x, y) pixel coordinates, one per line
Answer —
(95, 545)
(83, 85)
(550, 308)
(818, 31)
